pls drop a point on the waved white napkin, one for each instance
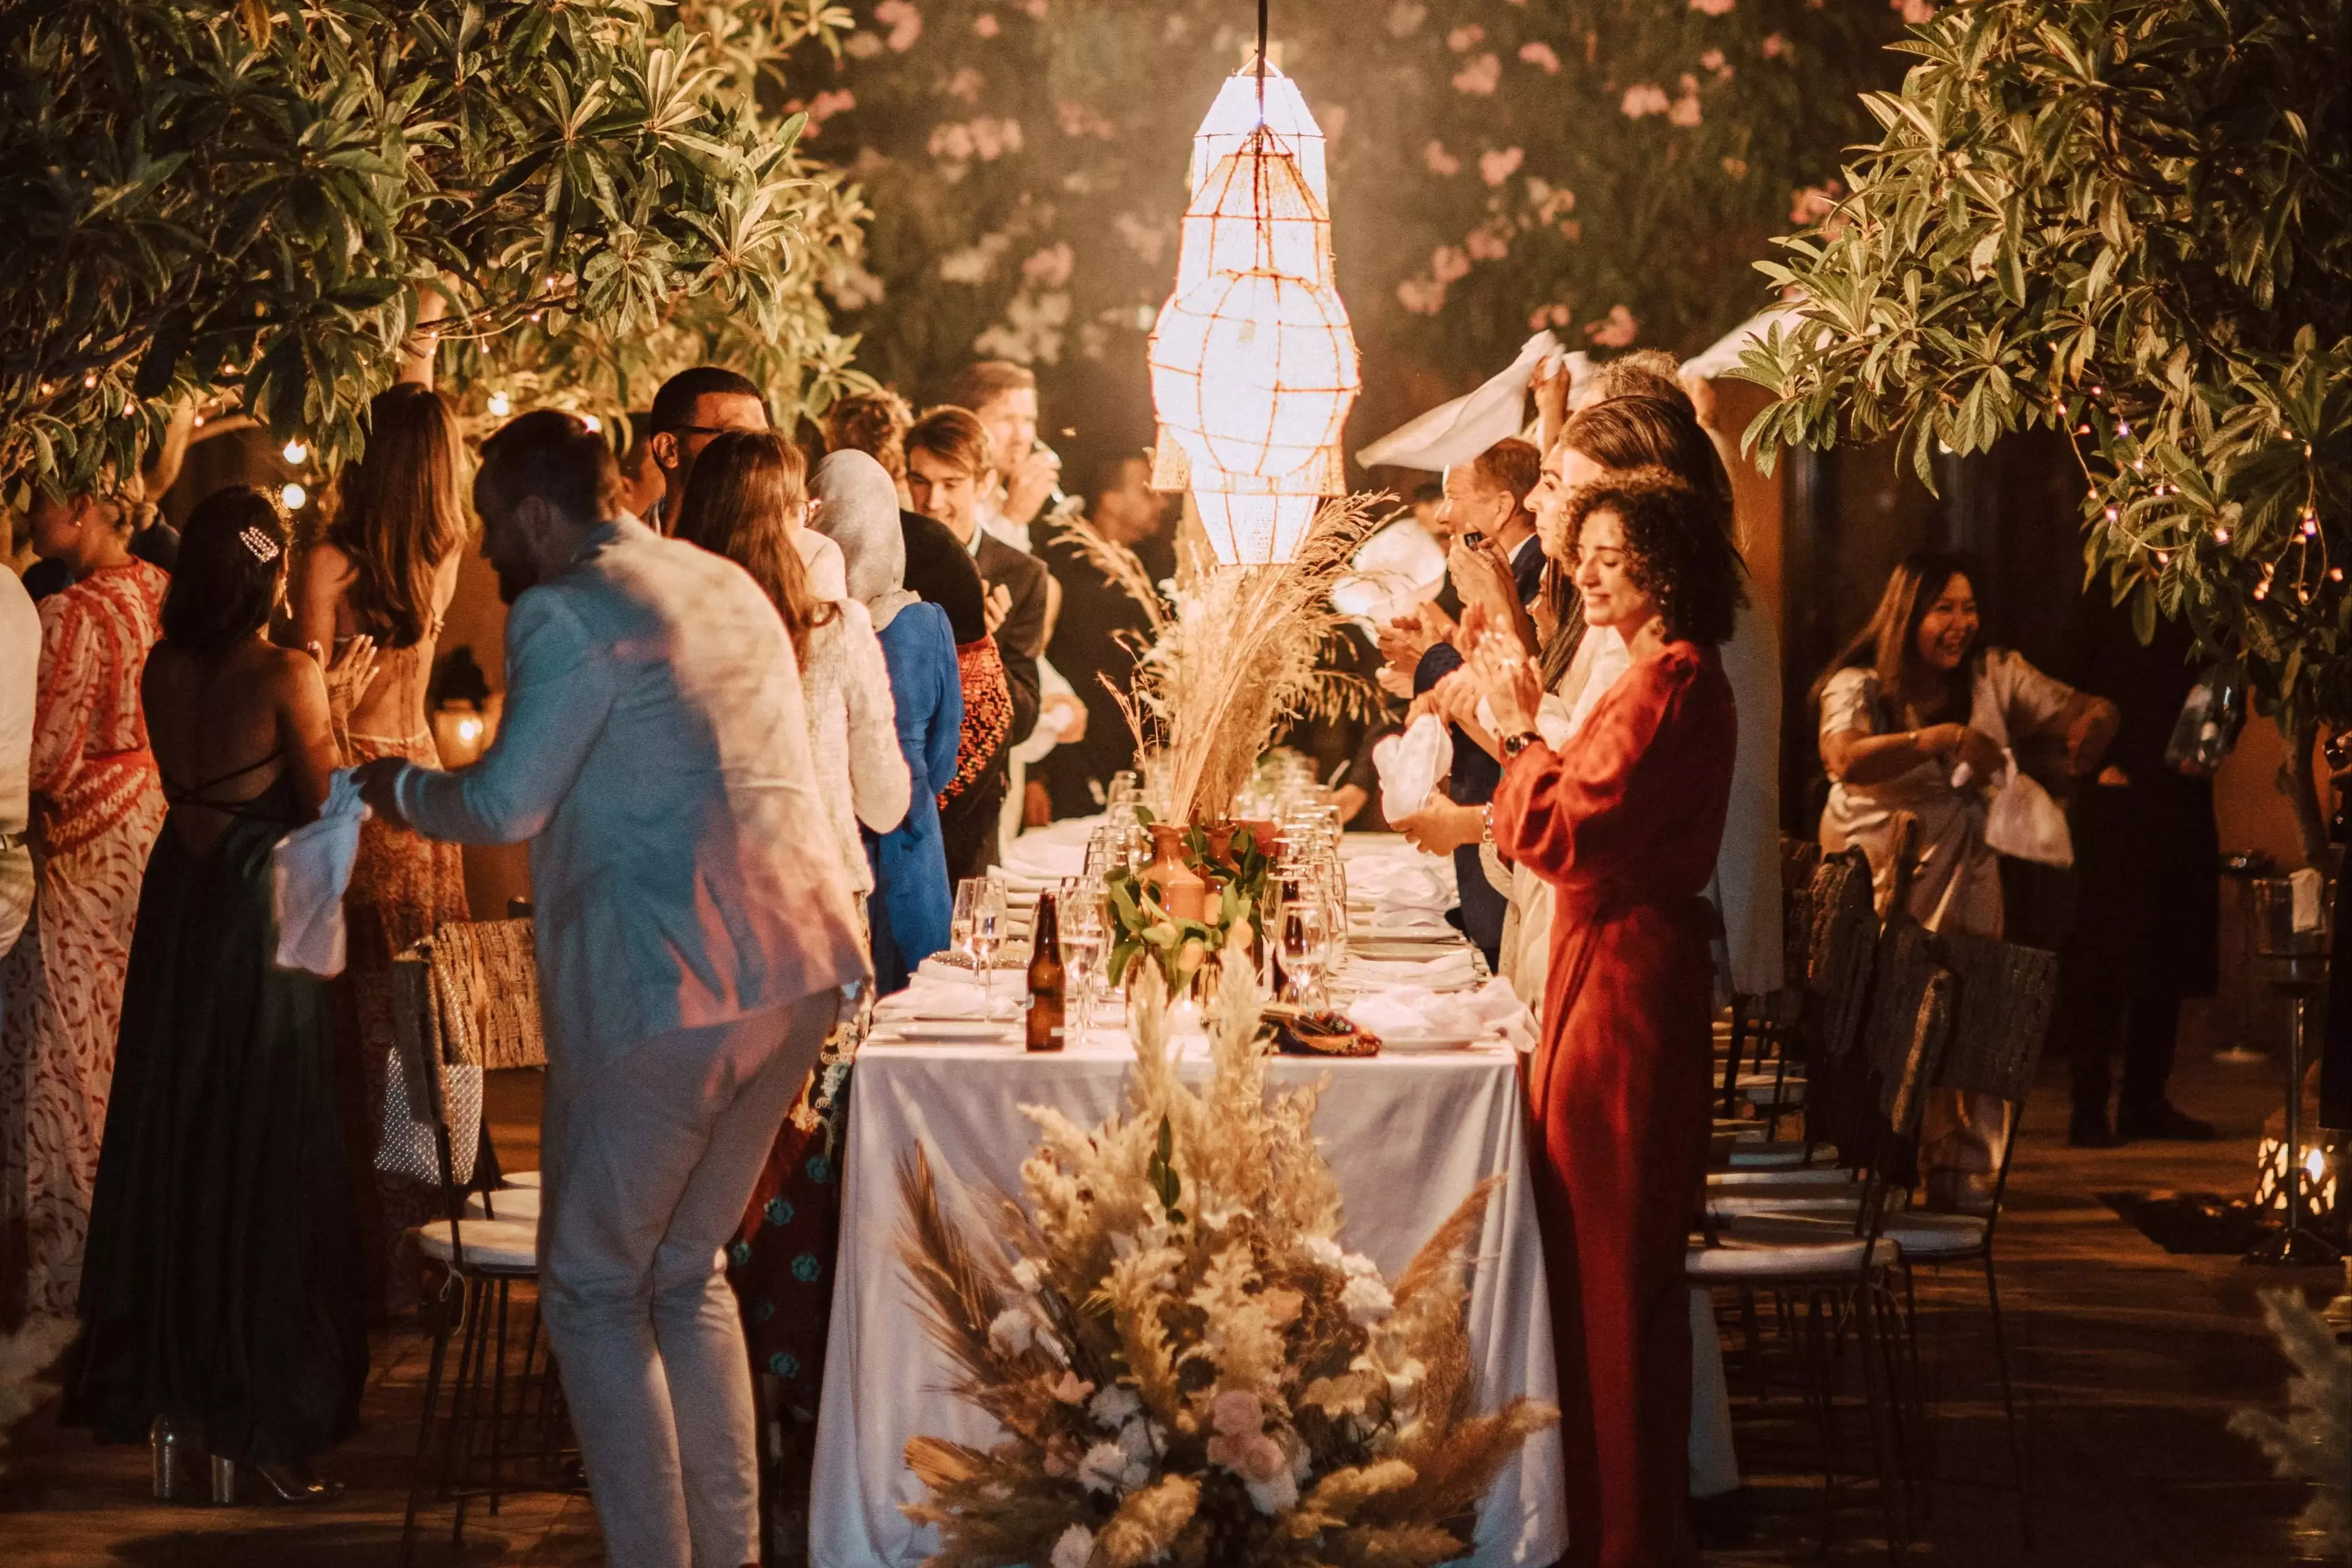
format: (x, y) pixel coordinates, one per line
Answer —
(1411, 764)
(1401, 880)
(1395, 569)
(309, 869)
(1458, 431)
(1409, 1010)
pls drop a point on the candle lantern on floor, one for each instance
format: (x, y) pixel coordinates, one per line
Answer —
(2290, 950)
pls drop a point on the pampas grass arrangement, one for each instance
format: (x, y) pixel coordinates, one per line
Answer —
(1188, 1365)
(1240, 654)
(2314, 1442)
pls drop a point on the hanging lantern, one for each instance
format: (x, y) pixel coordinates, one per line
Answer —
(1237, 112)
(1253, 361)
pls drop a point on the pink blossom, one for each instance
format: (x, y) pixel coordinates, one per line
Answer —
(1447, 263)
(1571, 230)
(1034, 8)
(905, 22)
(1072, 1390)
(828, 104)
(1237, 1413)
(1487, 244)
(965, 84)
(1049, 267)
(1440, 161)
(1685, 112)
(1736, 167)
(1077, 119)
(986, 24)
(1713, 7)
(1497, 166)
(1915, 12)
(1538, 53)
(1617, 331)
(1421, 295)
(1644, 98)
(1461, 40)
(1712, 60)
(1774, 46)
(1480, 76)
(1548, 316)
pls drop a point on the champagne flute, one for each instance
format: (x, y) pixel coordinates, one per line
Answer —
(1305, 928)
(988, 933)
(1081, 904)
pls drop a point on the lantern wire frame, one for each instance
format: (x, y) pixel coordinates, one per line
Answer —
(1254, 362)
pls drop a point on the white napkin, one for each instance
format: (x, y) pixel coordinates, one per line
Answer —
(1455, 967)
(1395, 569)
(1411, 764)
(1401, 880)
(2304, 887)
(1458, 431)
(1409, 1010)
(308, 871)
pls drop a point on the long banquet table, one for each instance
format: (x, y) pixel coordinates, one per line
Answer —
(1407, 1136)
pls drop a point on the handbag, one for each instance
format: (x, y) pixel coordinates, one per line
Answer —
(405, 1148)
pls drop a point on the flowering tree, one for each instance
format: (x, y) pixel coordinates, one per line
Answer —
(251, 203)
(1496, 165)
(2127, 219)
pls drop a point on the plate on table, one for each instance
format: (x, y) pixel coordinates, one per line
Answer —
(951, 1031)
(1429, 1044)
(1393, 945)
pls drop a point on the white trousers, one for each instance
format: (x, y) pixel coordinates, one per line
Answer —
(647, 1162)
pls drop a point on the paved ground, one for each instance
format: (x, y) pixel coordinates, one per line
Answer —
(2132, 1362)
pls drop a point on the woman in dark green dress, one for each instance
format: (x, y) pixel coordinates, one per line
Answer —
(221, 1290)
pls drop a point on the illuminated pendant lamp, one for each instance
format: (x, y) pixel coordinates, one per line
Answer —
(1252, 362)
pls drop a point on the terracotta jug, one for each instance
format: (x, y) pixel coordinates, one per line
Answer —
(1181, 891)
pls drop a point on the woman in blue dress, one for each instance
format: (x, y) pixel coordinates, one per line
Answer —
(858, 509)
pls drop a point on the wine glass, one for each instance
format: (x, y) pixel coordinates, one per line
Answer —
(977, 929)
(1304, 926)
(1082, 922)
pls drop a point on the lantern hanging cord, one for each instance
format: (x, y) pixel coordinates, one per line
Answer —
(1261, 61)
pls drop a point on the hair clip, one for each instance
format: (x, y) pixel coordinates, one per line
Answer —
(265, 549)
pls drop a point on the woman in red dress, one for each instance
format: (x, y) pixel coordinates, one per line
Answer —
(1624, 825)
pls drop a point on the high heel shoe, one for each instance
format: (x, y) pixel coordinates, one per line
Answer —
(295, 1484)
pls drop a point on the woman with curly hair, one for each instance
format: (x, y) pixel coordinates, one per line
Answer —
(1624, 820)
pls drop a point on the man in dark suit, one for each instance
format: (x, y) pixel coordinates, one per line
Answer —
(948, 468)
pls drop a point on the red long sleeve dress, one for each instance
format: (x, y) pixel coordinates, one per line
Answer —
(1624, 825)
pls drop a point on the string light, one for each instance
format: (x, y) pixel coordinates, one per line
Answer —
(297, 453)
(295, 497)
(500, 404)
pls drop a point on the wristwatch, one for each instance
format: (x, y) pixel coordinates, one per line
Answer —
(1514, 744)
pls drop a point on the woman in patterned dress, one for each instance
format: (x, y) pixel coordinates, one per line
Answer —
(386, 568)
(98, 805)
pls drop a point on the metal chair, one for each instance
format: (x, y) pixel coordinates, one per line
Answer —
(1834, 1264)
(480, 1260)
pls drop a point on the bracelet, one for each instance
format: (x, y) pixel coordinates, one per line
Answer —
(1486, 827)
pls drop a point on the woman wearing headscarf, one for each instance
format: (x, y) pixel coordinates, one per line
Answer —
(858, 509)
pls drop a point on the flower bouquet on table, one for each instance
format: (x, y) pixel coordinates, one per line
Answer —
(1189, 1366)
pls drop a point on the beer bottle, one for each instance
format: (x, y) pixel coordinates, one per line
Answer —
(1045, 976)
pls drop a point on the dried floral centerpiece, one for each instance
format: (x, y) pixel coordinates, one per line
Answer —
(1240, 653)
(1188, 1365)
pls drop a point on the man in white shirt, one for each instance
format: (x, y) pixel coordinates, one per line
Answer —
(692, 942)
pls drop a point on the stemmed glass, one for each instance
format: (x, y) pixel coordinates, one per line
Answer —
(976, 928)
(1304, 929)
(1082, 929)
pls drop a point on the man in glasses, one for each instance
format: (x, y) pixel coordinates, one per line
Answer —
(691, 407)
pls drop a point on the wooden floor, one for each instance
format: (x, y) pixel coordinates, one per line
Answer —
(2131, 1361)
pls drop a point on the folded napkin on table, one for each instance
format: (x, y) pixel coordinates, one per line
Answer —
(1456, 966)
(1404, 1011)
(308, 871)
(1411, 764)
(1044, 857)
(1405, 879)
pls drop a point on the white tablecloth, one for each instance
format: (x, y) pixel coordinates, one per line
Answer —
(1408, 1137)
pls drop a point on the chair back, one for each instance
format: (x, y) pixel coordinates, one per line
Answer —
(2007, 993)
(417, 1038)
(1911, 1033)
(1839, 929)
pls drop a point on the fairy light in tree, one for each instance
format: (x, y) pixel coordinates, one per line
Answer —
(1253, 360)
